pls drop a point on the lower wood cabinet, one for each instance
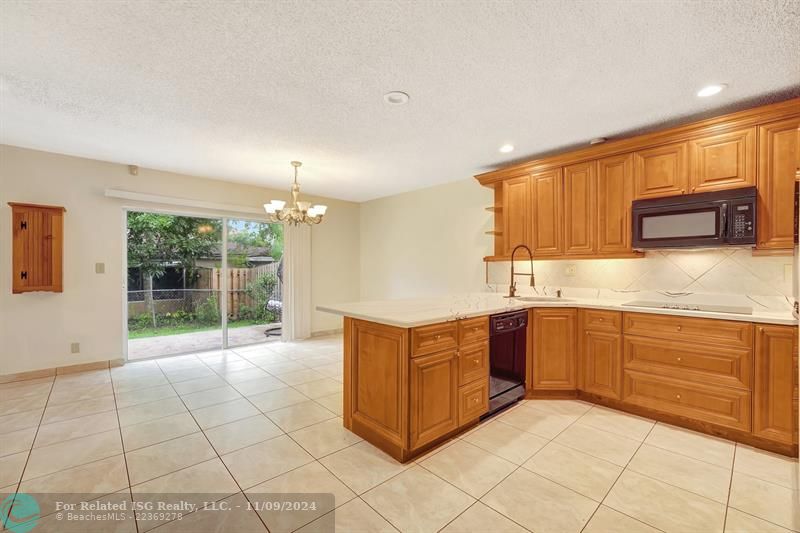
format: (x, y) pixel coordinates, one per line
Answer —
(601, 364)
(775, 385)
(473, 401)
(434, 397)
(554, 349)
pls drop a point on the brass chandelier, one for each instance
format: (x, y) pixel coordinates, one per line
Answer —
(299, 212)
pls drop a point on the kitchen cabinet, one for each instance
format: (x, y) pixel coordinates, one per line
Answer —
(554, 349)
(37, 249)
(516, 213)
(661, 171)
(723, 161)
(580, 193)
(614, 200)
(778, 166)
(434, 397)
(547, 189)
(775, 386)
(600, 353)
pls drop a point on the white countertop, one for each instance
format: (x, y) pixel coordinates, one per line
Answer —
(419, 312)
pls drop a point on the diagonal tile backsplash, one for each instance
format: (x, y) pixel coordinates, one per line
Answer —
(724, 271)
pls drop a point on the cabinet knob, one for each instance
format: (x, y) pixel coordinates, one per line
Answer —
(679, 328)
(476, 400)
(476, 361)
(476, 329)
(601, 319)
(679, 359)
(437, 337)
(678, 396)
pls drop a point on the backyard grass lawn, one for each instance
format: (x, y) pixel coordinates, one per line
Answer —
(187, 328)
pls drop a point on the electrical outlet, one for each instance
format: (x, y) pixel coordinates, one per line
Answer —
(75, 347)
(570, 270)
(99, 268)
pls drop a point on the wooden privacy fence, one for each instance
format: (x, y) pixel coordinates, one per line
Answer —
(238, 281)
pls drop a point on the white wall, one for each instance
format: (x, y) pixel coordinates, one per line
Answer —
(36, 329)
(426, 242)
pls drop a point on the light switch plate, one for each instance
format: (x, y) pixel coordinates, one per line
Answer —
(99, 268)
(75, 347)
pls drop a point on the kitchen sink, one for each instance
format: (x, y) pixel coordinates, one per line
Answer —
(542, 299)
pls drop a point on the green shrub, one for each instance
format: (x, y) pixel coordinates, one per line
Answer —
(207, 312)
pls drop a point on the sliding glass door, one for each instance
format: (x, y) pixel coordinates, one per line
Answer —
(196, 284)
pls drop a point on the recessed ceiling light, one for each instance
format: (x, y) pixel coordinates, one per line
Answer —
(506, 148)
(396, 98)
(710, 90)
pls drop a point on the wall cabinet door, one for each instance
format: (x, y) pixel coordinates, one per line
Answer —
(554, 349)
(661, 171)
(546, 190)
(516, 213)
(775, 384)
(601, 364)
(614, 199)
(580, 192)
(723, 161)
(778, 165)
(37, 248)
(434, 402)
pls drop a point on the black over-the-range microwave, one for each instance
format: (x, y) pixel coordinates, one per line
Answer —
(709, 219)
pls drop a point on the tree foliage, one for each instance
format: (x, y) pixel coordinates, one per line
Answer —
(155, 240)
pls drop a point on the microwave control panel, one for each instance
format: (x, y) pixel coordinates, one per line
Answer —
(742, 223)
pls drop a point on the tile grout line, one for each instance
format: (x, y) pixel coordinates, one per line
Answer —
(122, 445)
(730, 485)
(621, 472)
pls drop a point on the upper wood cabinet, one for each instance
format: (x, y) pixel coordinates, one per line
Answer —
(37, 248)
(580, 192)
(554, 349)
(723, 161)
(778, 165)
(614, 199)
(661, 171)
(547, 188)
(434, 397)
(775, 384)
(516, 213)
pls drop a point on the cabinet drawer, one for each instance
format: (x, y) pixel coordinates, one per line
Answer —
(434, 338)
(473, 401)
(722, 365)
(708, 403)
(687, 329)
(473, 362)
(473, 330)
(599, 320)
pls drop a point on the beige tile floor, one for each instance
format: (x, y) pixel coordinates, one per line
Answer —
(265, 419)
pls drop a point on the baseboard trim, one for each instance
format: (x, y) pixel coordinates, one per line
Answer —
(60, 370)
(326, 332)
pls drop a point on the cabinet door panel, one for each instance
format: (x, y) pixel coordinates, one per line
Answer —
(775, 384)
(37, 248)
(516, 213)
(547, 200)
(723, 161)
(661, 171)
(376, 390)
(614, 199)
(579, 208)
(554, 351)
(778, 165)
(601, 364)
(434, 391)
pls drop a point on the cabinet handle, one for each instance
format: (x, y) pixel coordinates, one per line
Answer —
(694, 189)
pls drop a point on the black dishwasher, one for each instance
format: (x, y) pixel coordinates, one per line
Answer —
(507, 340)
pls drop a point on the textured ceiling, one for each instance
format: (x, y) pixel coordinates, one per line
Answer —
(235, 90)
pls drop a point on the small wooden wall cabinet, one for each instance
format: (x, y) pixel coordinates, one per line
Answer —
(407, 389)
(577, 205)
(37, 247)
